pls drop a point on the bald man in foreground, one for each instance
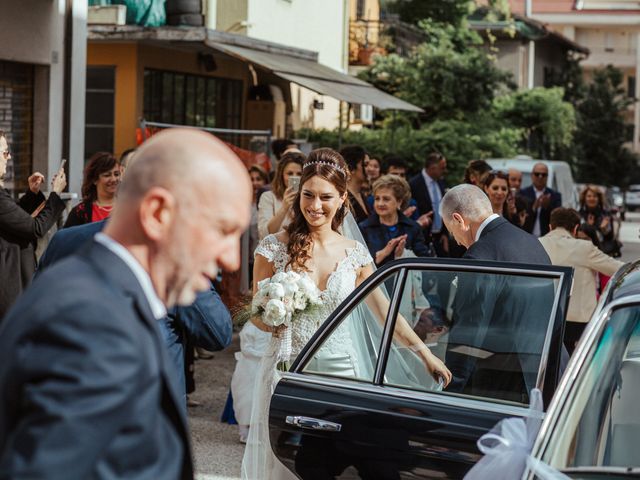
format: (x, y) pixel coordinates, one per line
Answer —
(85, 386)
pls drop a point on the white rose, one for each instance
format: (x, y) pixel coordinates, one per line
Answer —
(293, 276)
(274, 313)
(290, 288)
(275, 291)
(279, 277)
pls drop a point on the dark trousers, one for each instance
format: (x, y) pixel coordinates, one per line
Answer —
(572, 333)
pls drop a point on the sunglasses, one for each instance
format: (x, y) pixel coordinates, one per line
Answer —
(540, 174)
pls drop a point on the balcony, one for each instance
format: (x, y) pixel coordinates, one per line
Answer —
(368, 38)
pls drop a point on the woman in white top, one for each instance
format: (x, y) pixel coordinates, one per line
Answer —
(274, 207)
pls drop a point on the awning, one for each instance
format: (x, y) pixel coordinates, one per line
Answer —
(317, 77)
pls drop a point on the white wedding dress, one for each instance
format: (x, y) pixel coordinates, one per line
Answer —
(337, 355)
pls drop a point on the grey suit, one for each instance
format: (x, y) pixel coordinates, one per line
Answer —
(86, 389)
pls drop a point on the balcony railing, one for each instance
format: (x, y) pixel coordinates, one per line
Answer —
(370, 37)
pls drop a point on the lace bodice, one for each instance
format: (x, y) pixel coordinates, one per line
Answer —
(340, 284)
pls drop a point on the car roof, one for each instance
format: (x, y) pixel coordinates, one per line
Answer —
(525, 163)
(626, 282)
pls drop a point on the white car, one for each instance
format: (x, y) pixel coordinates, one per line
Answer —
(560, 178)
(632, 198)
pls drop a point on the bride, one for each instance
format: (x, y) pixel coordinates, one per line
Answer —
(312, 244)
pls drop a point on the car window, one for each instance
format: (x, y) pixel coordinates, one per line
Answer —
(352, 348)
(600, 424)
(490, 329)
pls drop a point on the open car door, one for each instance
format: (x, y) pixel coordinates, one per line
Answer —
(497, 326)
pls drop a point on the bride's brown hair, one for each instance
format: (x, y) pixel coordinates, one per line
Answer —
(330, 166)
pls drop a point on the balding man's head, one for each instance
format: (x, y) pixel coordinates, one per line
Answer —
(181, 210)
(539, 175)
(462, 209)
(515, 179)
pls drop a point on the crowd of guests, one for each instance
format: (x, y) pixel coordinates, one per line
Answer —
(397, 213)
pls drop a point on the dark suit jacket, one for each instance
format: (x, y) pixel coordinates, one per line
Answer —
(86, 386)
(18, 234)
(506, 316)
(207, 322)
(545, 213)
(423, 200)
(503, 242)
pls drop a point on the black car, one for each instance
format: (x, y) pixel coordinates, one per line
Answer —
(497, 326)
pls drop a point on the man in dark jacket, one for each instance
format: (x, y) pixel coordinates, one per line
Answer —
(86, 389)
(427, 188)
(21, 224)
(542, 200)
(499, 321)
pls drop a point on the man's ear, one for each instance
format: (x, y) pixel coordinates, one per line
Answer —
(456, 217)
(157, 213)
(575, 230)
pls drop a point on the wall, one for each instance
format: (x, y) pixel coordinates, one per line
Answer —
(34, 33)
(317, 25)
(130, 60)
(230, 14)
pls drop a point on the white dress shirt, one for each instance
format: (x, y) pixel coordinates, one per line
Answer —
(157, 307)
(536, 225)
(486, 222)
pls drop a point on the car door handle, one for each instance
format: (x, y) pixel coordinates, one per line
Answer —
(313, 423)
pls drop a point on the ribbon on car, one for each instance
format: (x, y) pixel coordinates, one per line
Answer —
(508, 445)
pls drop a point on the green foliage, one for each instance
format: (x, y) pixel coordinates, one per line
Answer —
(548, 122)
(447, 75)
(458, 140)
(602, 157)
(445, 11)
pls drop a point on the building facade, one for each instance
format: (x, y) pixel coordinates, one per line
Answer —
(42, 78)
(610, 30)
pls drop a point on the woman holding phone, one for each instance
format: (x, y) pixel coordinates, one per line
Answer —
(275, 205)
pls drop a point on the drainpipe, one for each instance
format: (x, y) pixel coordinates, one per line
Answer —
(531, 64)
(210, 13)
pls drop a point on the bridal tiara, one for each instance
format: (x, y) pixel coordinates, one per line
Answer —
(328, 164)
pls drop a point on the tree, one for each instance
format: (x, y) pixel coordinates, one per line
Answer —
(548, 122)
(445, 11)
(602, 156)
(447, 75)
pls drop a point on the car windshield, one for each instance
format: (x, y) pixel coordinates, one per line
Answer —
(599, 427)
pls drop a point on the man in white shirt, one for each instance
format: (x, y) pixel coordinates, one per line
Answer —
(86, 386)
(586, 259)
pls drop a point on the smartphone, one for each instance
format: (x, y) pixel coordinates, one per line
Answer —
(62, 164)
(294, 183)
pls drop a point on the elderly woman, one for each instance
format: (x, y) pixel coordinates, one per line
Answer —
(387, 231)
(274, 206)
(99, 187)
(596, 218)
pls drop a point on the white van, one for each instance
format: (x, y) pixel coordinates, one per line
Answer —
(560, 178)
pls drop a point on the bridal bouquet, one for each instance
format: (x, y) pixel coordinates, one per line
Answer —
(280, 298)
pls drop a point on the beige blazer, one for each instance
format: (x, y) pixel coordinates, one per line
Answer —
(267, 208)
(565, 250)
